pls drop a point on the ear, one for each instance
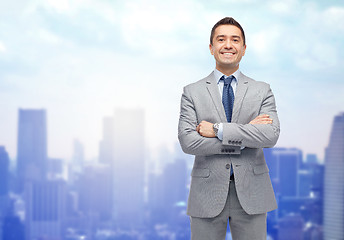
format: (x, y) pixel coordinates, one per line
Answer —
(244, 50)
(211, 49)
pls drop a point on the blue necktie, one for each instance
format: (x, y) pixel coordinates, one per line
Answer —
(228, 100)
(228, 96)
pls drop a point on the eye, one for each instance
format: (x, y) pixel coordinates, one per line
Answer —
(221, 39)
(236, 40)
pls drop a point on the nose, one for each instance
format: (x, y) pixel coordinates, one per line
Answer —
(228, 44)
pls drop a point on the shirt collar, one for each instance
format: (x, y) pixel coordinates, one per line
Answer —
(219, 74)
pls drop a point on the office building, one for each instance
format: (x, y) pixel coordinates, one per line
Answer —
(284, 165)
(94, 197)
(334, 182)
(32, 146)
(106, 145)
(128, 167)
(78, 153)
(4, 172)
(291, 227)
(45, 209)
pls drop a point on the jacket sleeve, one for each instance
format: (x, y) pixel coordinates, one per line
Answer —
(255, 135)
(190, 140)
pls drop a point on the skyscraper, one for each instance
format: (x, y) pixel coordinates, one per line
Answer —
(284, 164)
(175, 177)
(167, 191)
(93, 189)
(106, 145)
(32, 146)
(77, 163)
(156, 197)
(78, 153)
(128, 167)
(45, 209)
(291, 227)
(4, 187)
(106, 159)
(4, 172)
(334, 182)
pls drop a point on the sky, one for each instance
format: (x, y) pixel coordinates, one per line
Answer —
(80, 60)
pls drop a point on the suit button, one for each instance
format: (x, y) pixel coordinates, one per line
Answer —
(228, 166)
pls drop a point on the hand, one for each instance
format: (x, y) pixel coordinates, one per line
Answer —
(206, 129)
(261, 119)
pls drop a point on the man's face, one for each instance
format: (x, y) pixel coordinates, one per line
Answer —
(228, 47)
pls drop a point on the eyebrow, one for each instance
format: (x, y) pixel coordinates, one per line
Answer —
(234, 36)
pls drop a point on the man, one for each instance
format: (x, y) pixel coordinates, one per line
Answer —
(225, 121)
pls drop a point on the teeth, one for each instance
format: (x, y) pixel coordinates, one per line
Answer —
(228, 53)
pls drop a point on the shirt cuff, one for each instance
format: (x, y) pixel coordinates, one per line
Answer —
(220, 132)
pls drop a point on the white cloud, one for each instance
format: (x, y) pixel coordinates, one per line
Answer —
(60, 5)
(307, 40)
(265, 43)
(2, 47)
(69, 7)
(48, 36)
(334, 18)
(163, 28)
(286, 7)
(80, 80)
(319, 56)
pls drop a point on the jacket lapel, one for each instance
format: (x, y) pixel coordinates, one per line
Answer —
(239, 96)
(213, 90)
(216, 97)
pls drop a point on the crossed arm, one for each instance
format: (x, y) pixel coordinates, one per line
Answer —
(206, 129)
(199, 139)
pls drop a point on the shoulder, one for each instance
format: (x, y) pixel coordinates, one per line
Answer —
(253, 82)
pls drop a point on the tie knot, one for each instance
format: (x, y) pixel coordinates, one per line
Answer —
(227, 80)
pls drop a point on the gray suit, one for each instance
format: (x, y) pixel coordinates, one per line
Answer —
(210, 175)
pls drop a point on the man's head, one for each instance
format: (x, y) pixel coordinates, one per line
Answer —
(227, 44)
(227, 21)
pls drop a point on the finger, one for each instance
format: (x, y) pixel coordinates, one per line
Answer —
(264, 116)
(260, 117)
(266, 122)
(264, 119)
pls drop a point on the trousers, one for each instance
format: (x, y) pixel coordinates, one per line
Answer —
(242, 225)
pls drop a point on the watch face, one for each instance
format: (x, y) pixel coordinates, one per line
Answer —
(216, 128)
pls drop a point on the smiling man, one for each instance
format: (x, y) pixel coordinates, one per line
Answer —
(226, 119)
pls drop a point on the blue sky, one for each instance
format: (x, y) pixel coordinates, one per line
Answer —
(82, 59)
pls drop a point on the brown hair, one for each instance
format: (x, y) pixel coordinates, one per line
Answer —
(227, 21)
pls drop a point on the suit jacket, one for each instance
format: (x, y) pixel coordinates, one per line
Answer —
(210, 175)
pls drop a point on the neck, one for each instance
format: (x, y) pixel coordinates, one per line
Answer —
(227, 71)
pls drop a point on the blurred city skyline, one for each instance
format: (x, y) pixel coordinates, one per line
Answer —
(125, 195)
(80, 60)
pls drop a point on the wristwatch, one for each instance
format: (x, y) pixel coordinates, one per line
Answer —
(216, 128)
